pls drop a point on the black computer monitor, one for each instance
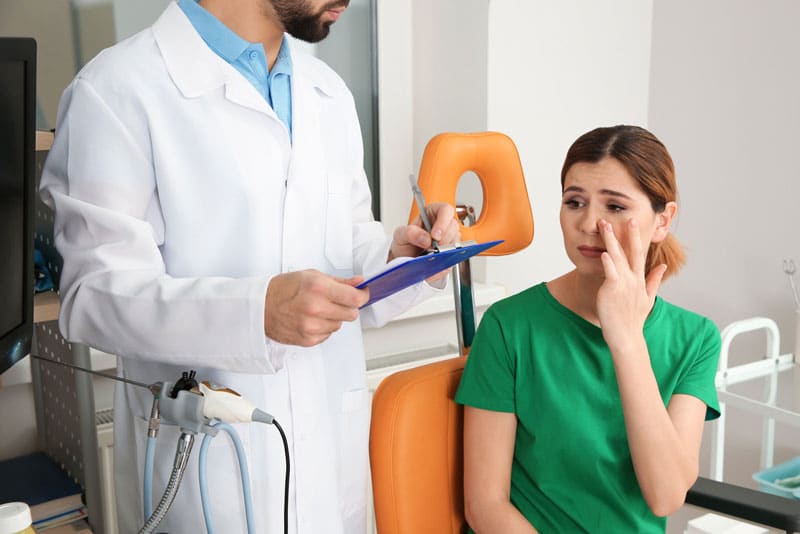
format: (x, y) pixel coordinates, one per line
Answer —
(17, 177)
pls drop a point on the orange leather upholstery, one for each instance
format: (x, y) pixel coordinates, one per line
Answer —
(493, 157)
(416, 434)
(416, 453)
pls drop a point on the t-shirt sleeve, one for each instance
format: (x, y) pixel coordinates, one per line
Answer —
(488, 379)
(698, 381)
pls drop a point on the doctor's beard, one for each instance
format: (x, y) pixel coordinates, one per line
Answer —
(300, 21)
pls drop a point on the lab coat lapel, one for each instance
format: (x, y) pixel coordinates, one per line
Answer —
(308, 150)
(193, 67)
(240, 91)
(306, 189)
(196, 69)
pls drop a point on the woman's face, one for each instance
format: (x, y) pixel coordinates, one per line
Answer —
(606, 191)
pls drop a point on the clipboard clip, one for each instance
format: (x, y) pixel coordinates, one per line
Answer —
(457, 244)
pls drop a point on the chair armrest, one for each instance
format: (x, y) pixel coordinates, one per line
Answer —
(745, 503)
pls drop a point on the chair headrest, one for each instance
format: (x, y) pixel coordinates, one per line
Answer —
(506, 211)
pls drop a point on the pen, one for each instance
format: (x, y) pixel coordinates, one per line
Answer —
(422, 213)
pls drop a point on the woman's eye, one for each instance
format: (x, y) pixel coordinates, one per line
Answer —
(616, 208)
(573, 203)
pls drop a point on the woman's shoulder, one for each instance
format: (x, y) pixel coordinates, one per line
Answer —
(679, 316)
(677, 311)
(513, 305)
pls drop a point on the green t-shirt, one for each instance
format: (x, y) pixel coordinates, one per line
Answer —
(572, 468)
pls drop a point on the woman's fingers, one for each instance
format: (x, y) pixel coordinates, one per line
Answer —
(609, 269)
(632, 254)
(613, 247)
(636, 257)
(653, 281)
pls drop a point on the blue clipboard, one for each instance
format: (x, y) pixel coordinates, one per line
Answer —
(418, 269)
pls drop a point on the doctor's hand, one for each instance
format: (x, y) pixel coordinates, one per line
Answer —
(305, 307)
(413, 239)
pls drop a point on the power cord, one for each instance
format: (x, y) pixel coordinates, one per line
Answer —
(263, 417)
(286, 482)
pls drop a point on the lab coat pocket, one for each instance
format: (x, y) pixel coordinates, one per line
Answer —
(339, 223)
(354, 454)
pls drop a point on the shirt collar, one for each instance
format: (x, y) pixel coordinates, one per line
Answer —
(225, 42)
(196, 69)
(283, 64)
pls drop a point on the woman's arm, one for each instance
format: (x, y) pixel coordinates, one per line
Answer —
(664, 442)
(488, 452)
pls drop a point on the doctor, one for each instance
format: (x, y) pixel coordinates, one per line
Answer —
(213, 214)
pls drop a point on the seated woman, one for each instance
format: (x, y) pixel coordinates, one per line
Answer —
(585, 396)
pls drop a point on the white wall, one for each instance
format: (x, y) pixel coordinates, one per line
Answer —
(557, 70)
(395, 102)
(725, 99)
(432, 79)
(450, 48)
(132, 16)
(50, 23)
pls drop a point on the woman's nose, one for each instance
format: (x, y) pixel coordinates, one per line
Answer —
(588, 223)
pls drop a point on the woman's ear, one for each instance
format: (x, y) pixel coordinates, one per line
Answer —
(664, 221)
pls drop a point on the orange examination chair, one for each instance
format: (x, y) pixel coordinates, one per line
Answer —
(416, 433)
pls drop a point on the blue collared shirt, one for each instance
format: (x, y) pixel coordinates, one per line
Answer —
(248, 58)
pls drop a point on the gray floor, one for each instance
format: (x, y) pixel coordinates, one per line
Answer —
(743, 444)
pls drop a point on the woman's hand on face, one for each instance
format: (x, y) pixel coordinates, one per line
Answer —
(625, 298)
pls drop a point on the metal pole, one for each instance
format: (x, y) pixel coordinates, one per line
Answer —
(462, 290)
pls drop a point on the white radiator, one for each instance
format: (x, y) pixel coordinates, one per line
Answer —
(105, 458)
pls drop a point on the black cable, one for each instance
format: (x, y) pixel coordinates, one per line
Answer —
(286, 484)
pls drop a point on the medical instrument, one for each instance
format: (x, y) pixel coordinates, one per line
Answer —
(195, 407)
(420, 200)
(207, 407)
(789, 268)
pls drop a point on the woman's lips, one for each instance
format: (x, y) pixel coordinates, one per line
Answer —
(591, 252)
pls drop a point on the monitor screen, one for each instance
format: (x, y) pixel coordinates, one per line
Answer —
(17, 153)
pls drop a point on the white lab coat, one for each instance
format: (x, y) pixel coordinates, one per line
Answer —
(177, 196)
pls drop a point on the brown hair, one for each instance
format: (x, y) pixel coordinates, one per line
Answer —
(648, 162)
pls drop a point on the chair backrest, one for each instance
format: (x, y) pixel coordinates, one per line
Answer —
(416, 433)
(416, 452)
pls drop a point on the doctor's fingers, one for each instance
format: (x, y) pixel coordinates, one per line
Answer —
(322, 295)
(451, 234)
(315, 330)
(442, 217)
(408, 240)
(303, 330)
(342, 292)
(309, 292)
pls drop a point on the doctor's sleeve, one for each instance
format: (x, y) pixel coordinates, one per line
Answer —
(371, 243)
(115, 292)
